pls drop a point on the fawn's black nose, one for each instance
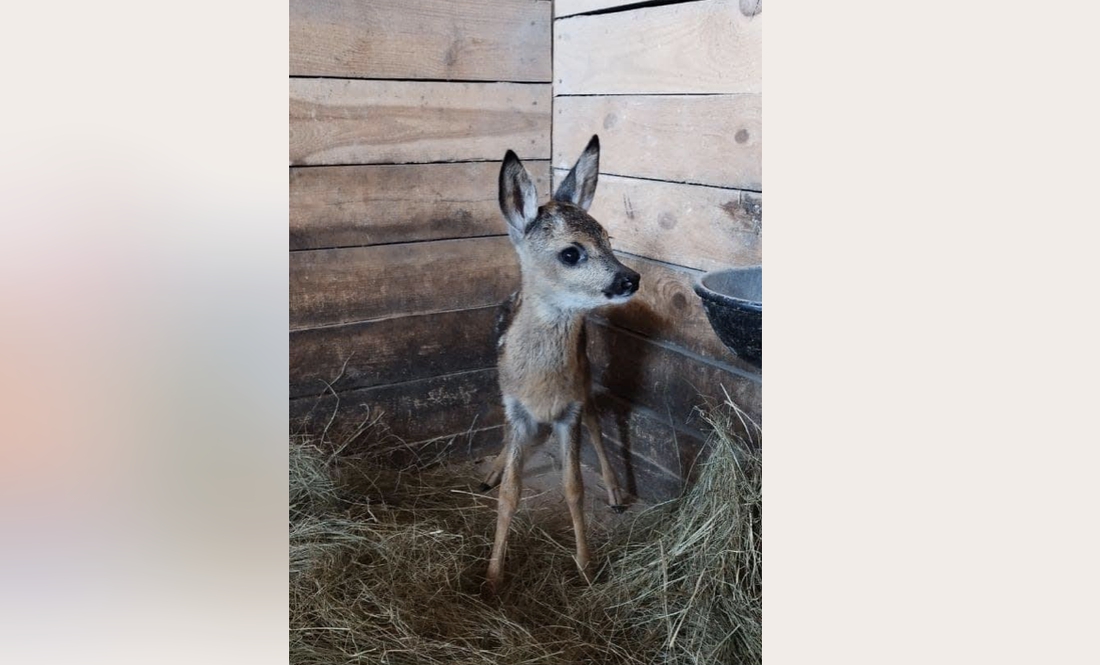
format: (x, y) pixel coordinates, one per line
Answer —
(626, 283)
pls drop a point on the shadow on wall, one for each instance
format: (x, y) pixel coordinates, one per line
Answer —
(647, 454)
(651, 408)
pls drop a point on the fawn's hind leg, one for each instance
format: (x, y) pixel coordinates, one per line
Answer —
(521, 430)
(493, 479)
(614, 494)
(568, 431)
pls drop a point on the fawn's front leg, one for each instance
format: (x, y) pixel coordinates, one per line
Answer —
(614, 494)
(568, 431)
(521, 430)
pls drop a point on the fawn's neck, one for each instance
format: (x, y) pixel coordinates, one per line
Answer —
(548, 324)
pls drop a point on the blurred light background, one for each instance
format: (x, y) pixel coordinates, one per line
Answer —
(143, 335)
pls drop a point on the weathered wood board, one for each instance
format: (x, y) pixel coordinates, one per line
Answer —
(637, 475)
(699, 227)
(414, 411)
(564, 8)
(392, 350)
(667, 382)
(651, 459)
(395, 122)
(482, 40)
(698, 47)
(331, 286)
(346, 206)
(709, 140)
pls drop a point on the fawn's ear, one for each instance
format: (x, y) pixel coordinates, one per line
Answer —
(579, 187)
(518, 197)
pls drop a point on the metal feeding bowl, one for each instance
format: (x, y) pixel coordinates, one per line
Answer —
(732, 300)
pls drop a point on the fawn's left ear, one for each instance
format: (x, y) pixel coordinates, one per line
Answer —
(579, 187)
(518, 197)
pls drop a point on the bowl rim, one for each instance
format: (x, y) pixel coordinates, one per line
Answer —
(706, 293)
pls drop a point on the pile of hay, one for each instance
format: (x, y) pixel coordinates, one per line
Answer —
(387, 566)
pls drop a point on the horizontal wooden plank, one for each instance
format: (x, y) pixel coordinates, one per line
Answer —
(383, 122)
(330, 286)
(451, 447)
(342, 206)
(665, 381)
(393, 350)
(471, 444)
(482, 40)
(666, 308)
(710, 140)
(564, 8)
(690, 225)
(696, 47)
(415, 411)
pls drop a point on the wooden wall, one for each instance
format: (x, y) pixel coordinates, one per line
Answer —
(400, 111)
(674, 91)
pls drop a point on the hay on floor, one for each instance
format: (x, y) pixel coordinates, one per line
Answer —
(387, 566)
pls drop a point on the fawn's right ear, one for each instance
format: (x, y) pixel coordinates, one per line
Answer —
(579, 185)
(518, 197)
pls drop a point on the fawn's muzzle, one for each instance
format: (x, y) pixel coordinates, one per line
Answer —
(625, 284)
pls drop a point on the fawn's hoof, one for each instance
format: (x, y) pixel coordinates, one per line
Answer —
(619, 509)
(485, 487)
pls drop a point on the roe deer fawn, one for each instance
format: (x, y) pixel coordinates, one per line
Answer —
(567, 268)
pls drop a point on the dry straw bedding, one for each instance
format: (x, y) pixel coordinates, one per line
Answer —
(387, 566)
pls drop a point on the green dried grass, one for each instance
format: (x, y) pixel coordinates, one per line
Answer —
(387, 566)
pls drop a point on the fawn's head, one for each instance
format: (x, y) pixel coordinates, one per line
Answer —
(565, 255)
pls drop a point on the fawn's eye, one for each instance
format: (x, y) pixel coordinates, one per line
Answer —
(570, 255)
